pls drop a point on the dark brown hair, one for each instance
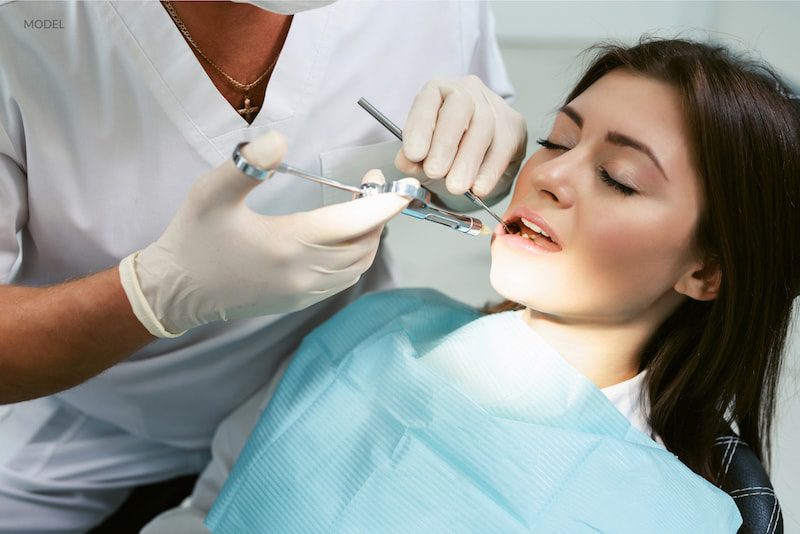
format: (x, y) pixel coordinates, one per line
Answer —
(713, 365)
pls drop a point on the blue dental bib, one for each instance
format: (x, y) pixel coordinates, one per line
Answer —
(410, 412)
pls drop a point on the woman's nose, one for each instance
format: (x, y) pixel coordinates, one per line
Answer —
(554, 179)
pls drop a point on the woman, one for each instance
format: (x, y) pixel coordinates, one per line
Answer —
(737, 214)
(650, 259)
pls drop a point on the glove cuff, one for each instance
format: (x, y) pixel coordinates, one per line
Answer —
(141, 308)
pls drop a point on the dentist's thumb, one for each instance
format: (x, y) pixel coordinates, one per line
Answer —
(227, 185)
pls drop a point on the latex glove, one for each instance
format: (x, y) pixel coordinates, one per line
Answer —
(458, 129)
(218, 259)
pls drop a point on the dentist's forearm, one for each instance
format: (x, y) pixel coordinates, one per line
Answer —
(56, 337)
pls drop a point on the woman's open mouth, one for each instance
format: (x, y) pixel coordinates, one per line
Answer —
(525, 233)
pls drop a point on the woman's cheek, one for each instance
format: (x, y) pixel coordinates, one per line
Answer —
(640, 259)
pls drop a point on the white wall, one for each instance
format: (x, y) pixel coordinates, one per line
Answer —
(540, 42)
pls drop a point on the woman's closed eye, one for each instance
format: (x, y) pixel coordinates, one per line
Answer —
(549, 145)
(601, 171)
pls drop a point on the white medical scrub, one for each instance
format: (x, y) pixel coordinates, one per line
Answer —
(105, 122)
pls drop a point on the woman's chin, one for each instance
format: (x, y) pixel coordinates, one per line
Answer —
(507, 284)
(526, 284)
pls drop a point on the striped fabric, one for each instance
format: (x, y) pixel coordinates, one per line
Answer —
(743, 478)
(400, 415)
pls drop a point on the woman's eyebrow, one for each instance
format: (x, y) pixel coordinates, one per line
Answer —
(617, 138)
(572, 114)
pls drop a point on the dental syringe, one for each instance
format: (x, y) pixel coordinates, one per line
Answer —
(419, 208)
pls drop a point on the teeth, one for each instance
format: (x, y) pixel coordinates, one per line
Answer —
(534, 227)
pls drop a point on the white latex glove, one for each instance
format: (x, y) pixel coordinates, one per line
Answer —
(218, 259)
(460, 130)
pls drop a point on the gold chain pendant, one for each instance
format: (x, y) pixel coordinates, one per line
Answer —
(247, 110)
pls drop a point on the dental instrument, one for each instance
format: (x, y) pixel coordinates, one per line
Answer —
(397, 132)
(419, 208)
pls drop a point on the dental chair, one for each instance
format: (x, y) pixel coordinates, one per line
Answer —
(743, 478)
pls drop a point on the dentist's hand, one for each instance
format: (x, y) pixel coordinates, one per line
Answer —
(218, 259)
(458, 129)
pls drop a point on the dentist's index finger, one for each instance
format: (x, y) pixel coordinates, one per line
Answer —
(454, 118)
(420, 123)
(406, 166)
(470, 152)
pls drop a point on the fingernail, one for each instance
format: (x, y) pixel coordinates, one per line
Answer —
(264, 150)
(414, 150)
(414, 147)
(459, 175)
(458, 186)
(484, 180)
(479, 191)
(374, 175)
(434, 168)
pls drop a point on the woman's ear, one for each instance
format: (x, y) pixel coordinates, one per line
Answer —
(701, 281)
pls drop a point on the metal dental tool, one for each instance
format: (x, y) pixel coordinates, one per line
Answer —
(419, 207)
(397, 132)
(288, 169)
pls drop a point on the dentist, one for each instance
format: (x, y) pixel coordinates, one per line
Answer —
(141, 304)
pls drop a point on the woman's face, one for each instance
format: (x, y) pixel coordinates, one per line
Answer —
(614, 187)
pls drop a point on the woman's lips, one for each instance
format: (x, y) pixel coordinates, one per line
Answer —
(525, 212)
(535, 242)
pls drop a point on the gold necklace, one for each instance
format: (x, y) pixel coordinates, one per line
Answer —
(247, 110)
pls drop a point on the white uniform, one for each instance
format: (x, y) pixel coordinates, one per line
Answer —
(105, 122)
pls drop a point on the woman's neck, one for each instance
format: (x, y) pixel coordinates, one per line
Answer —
(605, 354)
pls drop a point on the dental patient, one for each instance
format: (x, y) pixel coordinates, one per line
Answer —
(650, 269)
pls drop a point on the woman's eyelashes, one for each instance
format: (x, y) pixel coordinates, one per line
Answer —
(608, 180)
(605, 177)
(549, 145)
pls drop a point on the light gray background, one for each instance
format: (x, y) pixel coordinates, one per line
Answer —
(540, 42)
